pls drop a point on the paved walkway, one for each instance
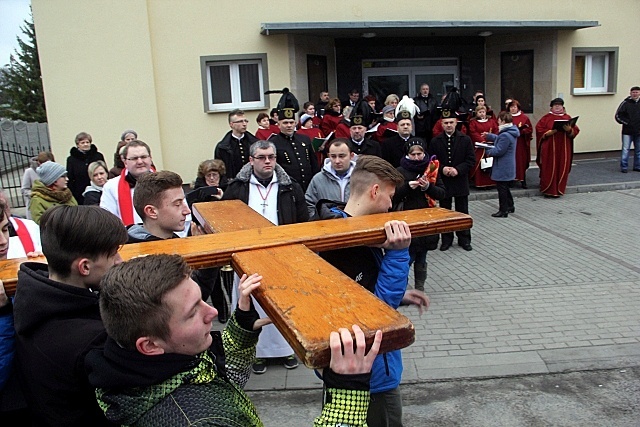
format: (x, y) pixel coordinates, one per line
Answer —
(555, 287)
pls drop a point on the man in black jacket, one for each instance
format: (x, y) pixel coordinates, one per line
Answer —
(628, 115)
(455, 152)
(359, 122)
(294, 151)
(233, 149)
(56, 313)
(393, 147)
(267, 189)
(426, 118)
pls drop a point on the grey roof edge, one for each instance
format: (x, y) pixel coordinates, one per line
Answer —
(267, 28)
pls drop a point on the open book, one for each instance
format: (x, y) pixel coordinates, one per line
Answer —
(559, 124)
(484, 144)
(317, 142)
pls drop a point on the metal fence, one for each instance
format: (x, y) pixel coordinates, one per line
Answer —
(19, 141)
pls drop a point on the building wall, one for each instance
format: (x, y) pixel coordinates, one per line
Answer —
(544, 58)
(301, 47)
(98, 73)
(109, 65)
(552, 73)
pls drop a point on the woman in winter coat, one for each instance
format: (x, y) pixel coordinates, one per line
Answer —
(50, 190)
(504, 161)
(412, 194)
(78, 161)
(98, 174)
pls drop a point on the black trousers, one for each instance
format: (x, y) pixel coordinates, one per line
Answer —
(462, 205)
(504, 196)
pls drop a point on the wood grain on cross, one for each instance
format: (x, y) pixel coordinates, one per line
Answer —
(305, 297)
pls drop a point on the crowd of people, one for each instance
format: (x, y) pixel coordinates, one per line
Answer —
(99, 341)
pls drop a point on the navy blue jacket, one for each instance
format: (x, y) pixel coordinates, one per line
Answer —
(390, 286)
(7, 342)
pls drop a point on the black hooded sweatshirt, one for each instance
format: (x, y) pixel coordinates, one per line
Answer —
(56, 326)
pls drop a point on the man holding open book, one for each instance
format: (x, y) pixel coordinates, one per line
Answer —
(555, 132)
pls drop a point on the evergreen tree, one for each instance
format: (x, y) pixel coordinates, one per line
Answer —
(22, 83)
(4, 103)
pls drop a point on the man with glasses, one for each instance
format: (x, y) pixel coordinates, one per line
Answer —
(267, 189)
(137, 162)
(233, 149)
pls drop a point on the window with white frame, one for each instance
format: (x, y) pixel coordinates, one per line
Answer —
(234, 81)
(594, 71)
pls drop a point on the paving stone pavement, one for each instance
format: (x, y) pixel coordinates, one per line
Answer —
(552, 288)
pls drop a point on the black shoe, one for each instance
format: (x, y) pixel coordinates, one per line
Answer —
(259, 366)
(290, 362)
(500, 214)
(623, 171)
(524, 184)
(444, 246)
(636, 170)
(466, 246)
(511, 210)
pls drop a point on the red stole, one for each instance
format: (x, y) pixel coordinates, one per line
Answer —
(24, 236)
(125, 202)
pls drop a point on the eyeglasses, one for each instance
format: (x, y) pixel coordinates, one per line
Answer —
(271, 157)
(135, 159)
(241, 121)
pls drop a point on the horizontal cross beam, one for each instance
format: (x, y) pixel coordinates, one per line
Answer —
(217, 249)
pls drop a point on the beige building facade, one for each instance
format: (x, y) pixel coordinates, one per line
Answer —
(173, 69)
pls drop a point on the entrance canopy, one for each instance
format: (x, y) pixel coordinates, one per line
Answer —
(419, 28)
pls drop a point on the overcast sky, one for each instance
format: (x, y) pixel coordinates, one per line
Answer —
(12, 15)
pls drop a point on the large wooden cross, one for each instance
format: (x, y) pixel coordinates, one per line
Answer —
(305, 297)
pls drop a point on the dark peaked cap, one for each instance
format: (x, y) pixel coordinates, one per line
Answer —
(288, 105)
(403, 115)
(361, 115)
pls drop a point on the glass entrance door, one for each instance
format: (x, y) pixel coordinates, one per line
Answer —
(439, 84)
(404, 77)
(385, 84)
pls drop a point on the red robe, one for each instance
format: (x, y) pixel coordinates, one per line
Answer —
(479, 177)
(330, 122)
(342, 131)
(555, 154)
(476, 128)
(523, 145)
(379, 134)
(313, 133)
(264, 134)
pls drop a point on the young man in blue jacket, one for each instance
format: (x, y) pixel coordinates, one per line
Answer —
(383, 271)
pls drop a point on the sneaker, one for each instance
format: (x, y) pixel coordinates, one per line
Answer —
(259, 366)
(290, 362)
